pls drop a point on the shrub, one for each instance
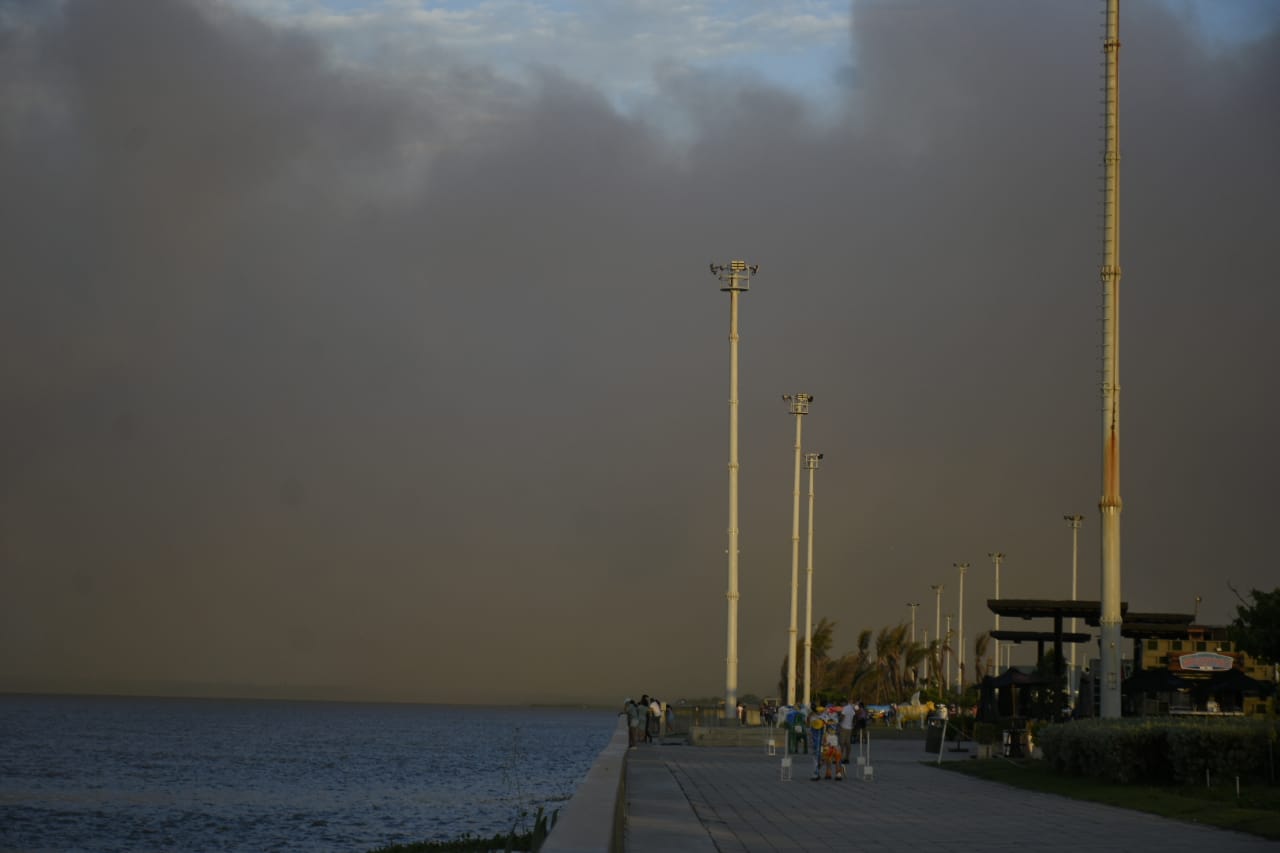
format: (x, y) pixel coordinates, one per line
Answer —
(1160, 751)
(986, 733)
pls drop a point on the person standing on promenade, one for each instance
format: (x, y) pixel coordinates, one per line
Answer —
(846, 729)
(633, 722)
(831, 749)
(655, 718)
(816, 726)
(859, 721)
(793, 721)
(643, 709)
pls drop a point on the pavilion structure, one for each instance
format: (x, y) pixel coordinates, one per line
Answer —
(1137, 626)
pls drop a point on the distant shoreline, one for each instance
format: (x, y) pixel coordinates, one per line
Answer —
(266, 696)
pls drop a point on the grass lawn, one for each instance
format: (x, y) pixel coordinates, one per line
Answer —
(1257, 811)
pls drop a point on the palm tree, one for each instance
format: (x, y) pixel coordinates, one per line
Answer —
(891, 653)
(980, 648)
(938, 650)
(851, 670)
(917, 654)
(820, 642)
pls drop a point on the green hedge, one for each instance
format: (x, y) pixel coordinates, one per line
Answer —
(1162, 751)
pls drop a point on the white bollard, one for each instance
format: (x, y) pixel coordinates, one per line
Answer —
(867, 769)
(785, 775)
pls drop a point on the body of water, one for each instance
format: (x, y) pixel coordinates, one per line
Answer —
(142, 774)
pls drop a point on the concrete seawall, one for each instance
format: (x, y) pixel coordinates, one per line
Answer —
(757, 736)
(594, 817)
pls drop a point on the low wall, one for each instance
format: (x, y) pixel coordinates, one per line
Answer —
(593, 818)
(735, 735)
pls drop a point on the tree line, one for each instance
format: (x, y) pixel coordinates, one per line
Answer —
(885, 665)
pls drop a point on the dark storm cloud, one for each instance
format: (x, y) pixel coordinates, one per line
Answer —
(311, 377)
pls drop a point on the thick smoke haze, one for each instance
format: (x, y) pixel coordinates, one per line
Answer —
(321, 381)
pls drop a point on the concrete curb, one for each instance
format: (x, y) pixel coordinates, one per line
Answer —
(593, 818)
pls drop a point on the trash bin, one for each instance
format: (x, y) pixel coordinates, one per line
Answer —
(933, 735)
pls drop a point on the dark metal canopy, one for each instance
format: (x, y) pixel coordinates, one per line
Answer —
(1155, 626)
(1047, 608)
(1181, 620)
(1038, 636)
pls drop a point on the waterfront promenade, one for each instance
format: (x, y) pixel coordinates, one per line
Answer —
(686, 799)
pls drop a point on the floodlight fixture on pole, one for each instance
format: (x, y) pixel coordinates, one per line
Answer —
(1074, 522)
(996, 557)
(964, 568)
(736, 278)
(810, 462)
(799, 408)
(913, 605)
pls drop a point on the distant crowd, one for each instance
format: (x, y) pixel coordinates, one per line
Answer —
(828, 732)
(647, 719)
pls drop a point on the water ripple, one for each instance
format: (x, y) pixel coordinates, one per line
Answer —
(139, 775)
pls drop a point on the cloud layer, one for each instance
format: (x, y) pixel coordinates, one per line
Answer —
(316, 377)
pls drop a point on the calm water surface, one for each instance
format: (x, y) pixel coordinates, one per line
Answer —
(134, 774)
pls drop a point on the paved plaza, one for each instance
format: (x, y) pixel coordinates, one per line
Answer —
(684, 799)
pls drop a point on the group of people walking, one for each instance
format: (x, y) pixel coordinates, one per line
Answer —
(828, 732)
(644, 719)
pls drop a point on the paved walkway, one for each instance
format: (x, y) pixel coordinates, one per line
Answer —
(687, 799)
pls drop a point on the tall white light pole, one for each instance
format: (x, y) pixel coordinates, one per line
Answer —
(937, 624)
(1110, 504)
(799, 408)
(913, 605)
(736, 276)
(996, 557)
(964, 568)
(1073, 521)
(810, 462)
(946, 669)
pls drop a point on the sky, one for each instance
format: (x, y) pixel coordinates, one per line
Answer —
(367, 349)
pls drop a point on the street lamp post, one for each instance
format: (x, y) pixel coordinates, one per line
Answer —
(964, 568)
(1109, 506)
(810, 462)
(937, 623)
(736, 277)
(996, 557)
(946, 647)
(913, 605)
(799, 408)
(1074, 522)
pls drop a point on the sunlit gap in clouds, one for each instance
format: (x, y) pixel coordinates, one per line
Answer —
(620, 49)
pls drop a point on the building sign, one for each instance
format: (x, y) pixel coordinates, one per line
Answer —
(1206, 662)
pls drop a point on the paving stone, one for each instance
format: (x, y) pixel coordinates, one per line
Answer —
(685, 799)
